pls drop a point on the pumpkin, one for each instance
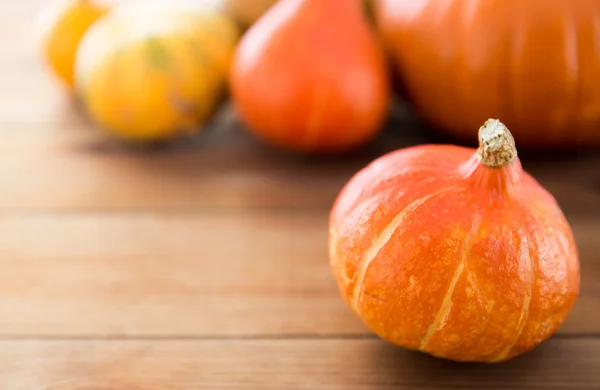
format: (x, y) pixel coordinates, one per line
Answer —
(454, 251)
(153, 73)
(534, 63)
(309, 83)
(61, 25)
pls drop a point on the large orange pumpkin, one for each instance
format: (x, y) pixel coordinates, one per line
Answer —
(455, 252)
(534, 63)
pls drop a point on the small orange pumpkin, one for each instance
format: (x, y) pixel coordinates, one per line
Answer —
(61, 27)
(534, 63)
(455, 252)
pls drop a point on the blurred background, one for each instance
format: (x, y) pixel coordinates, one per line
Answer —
(170, 166)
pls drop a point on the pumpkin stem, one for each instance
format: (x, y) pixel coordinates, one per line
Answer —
(496, 144)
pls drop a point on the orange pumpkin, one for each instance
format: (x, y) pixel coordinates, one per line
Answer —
(453, 251)
(155, 71)
(307, 82)
(61, 27)
(534, 63)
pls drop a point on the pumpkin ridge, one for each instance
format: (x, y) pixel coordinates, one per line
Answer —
(447, 303)
(526, 307)
(335, 234)
(382, 239)
(384, 190)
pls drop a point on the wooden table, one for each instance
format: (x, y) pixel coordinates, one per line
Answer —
(204, 265)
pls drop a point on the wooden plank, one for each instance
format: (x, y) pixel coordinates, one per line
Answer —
(79, 168)
(76, 167)
(92, 176)
(282, 364)
(159, 274)
(186, 274)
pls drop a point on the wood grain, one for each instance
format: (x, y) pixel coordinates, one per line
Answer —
(203, 264)
(281, 364)
(150, 274)
(79, 168)
(157, 274)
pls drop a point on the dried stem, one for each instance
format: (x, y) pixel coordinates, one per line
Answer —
(496, 144)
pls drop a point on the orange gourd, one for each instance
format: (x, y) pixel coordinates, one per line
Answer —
(534, 63)
(61, 26)
(454, 251)
(310, 76)
(155, 71)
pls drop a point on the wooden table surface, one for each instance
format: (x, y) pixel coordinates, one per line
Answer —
(204, 265)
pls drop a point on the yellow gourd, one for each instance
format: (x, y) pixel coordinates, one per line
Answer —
(155, 73)
(60, 27)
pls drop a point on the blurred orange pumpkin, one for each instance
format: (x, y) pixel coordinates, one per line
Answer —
(306, 81)
(61, 26)
(152, 72)
(534, 63)
(455, 252)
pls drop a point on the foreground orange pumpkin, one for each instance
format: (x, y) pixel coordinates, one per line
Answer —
(61, 27)
(534, 63)
(455, 252)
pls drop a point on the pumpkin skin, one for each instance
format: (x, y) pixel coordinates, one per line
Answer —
(305, 82)
(534, 63)
(61, 26)
(155, 73)
(437, 252)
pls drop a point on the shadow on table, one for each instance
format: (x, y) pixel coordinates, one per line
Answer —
(548, 366)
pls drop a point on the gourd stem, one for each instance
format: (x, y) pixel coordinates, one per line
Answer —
(496, 145)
